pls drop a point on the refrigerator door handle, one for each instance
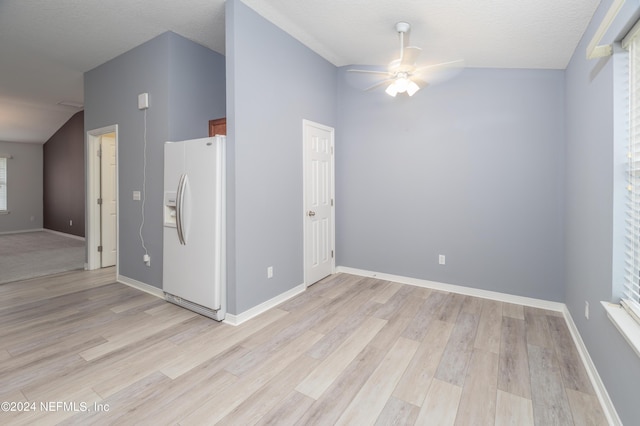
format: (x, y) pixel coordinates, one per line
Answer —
(180, 209)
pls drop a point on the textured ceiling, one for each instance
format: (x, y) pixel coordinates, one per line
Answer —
(47, 45)
(486, 33)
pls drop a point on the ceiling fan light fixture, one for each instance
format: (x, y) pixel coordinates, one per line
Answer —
(412, 88)
(402, 84)
(403, 74)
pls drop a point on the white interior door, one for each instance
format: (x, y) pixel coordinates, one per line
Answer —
(108, 210)
(318, 201)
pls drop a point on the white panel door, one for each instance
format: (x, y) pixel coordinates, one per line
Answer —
(318, 201)
(109, 209)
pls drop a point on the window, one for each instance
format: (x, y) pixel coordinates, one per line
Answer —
(631, 299)
(3, 184)
(626, 315)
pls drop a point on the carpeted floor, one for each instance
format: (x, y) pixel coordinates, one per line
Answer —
(34, 254)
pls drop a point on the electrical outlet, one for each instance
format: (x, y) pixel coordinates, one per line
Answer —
(441, 259)
(270, 272)
(70, 222)
(146, 259)
(586, 309)
(136, 195)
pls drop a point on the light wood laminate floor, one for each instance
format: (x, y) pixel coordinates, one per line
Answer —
(79, 348)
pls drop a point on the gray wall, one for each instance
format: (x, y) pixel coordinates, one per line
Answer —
(24, 191)
(595, 158)
(169, 68)
(274, 82)
(197, 88)
(471, 168)
(63, 178)
(479, 169)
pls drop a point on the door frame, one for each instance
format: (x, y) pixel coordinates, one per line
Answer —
(93, 192)
(332, 230)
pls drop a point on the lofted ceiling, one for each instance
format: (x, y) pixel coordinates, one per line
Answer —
(47, 45)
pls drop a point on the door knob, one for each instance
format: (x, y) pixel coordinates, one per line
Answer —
(311, 213)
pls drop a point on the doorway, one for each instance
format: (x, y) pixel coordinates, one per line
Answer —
(102, 196)
(319, 209)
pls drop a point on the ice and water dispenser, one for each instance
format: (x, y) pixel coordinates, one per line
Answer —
(170, 212)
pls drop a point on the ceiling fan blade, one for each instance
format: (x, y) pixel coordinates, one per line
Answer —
(369, 72)
(378, 84)
(409, 55)
(458, 63)
(421, 83)
(438, 73)
(402, 74)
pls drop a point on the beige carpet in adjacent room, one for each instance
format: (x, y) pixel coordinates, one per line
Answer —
(34, 254)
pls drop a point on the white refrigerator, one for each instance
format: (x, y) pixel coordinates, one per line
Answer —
(194, 261)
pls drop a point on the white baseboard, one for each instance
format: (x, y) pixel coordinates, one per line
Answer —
(596, 381)
(229, 318)
(155, 291)
(594, 377)
(63, 234)
(264, 306)
(601, 392)
(22, 231)
(484, 294)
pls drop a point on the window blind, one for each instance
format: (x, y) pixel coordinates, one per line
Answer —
(631, 298)
(3, 184)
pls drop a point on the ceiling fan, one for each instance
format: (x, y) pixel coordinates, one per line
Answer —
(402, 74)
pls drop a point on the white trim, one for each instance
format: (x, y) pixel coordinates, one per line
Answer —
(223, 228)
(469, 291)
(599, 388)
(21, 231)
(64, 234)
(601, 392)
(593, 50)
(155, 291)
(92, 190)
(264, 306)
(630, 35)
(4, 183)
(229, 318)
(626, 325)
